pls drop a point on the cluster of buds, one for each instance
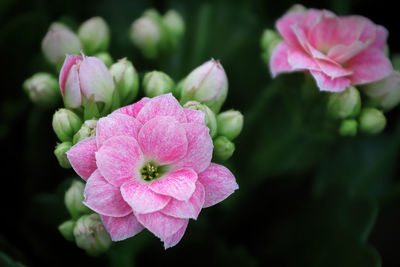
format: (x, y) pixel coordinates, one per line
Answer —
(85, 227)
(204, 89)
(154, 34)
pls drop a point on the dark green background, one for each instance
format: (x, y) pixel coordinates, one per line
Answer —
(307, 197)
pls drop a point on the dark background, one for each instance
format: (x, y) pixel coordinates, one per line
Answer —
(307, 197)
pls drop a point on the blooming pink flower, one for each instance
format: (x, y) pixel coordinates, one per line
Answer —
(149, 167)
(337, 51)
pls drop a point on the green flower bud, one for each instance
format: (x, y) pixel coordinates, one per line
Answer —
(296, 8)
(90, 235)
(73, 199)
(269, 40)
(67, 229)
(209, 116)
(88, 129)
(126, 80)
(346, 104)
(175, 25)
(42, 89)
(105, 57)
(207, 84)
(65, 124)
(223, 148)
(95, 35)
(348, 127)
(372, 121)
(230, 123)
(60, 153)
(157, 83)
(58, 42)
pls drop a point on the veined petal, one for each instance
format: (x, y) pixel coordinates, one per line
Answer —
(326, 83)
(195, 116)
(175, 238)
(121, 228)
(82, 157)
(133, 110)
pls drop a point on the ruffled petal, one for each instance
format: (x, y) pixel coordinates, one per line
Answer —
(326, 83)
(175, 238)
(279, 59)
(121, 228)
(218, 183)
(82, 157)
(380, 38)
(194, 116)
(133, 110)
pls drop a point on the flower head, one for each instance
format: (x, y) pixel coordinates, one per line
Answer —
(149, 166)
(337, 51)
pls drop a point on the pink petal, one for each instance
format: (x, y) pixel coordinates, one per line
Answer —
(82, 157)
(133, 110)
(326, 83)
(69, 61)
(333, 70)
(369, 66)
(163, 105)
(161, 225)
(142, 200)
(380, 38)
(279, 59)
(284, 27)
(200, 148)
(121, 228)
(119, 159)
(325, 34)
(72, 91)
(175, 238)
(342, 53)
(187, 209)
(355, 28)
(298, 60)
(195, 116)
(116, 124)
(218, 183)
(178, 184)
(104, 198)
(163, 140)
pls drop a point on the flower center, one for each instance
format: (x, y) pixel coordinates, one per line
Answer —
(150, 171)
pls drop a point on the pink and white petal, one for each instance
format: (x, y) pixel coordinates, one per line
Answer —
(72, 91)
(175, 238)
(284, 24)
(133, 110)
(326, 83)
(161, 225)
(195, 116)
(177, 184)
(200, 148)
(333, 70)
(163, 105)
(298, 60)
(380, 38)
(82, 157)
(141, 199)
(116, 124)
(163, 140)
(325, 33)
(121, 228)
(369, 66)
(279, 59)
(355, 28)
(218, 183)
(342, 53)
(187, 209)
(104, 198)
(119, 159)
(69, 61)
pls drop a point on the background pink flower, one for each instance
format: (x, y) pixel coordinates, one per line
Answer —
(149, 166)
(338, 51)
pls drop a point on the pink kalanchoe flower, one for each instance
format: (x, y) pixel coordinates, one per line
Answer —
(149, 166)
(84, 77)
(338, 51)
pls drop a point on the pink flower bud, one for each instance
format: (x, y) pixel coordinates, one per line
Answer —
(85, 77)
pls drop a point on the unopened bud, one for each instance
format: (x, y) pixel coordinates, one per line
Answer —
(58, 42)
(157, 83)
(60, 153)
(65, 124)
(207, 84)
(385, 92)
(126, 80)
(348, 127)
(343, 105)
(105, 57)
(269, 40)
(90, 235)
(209, 116)
(95, 35)
(230, 123)
(372, 121)
(74, 198)
(88, 129)
(223, 148)
(67, 229)
(42, 89)
(174, 24)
